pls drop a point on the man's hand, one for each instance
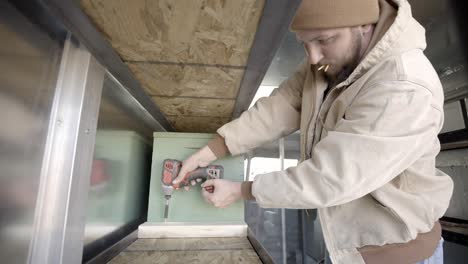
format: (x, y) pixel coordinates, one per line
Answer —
(225, 192)
(201, 158)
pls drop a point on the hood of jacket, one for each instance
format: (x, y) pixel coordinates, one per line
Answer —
(395, 32)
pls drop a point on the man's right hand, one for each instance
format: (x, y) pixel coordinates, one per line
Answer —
(201, 158)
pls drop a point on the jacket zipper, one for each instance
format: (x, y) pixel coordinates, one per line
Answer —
(318, 116)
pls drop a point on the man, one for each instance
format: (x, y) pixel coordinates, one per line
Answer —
(369, 106)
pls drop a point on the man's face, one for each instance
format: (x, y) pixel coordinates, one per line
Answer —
(339, 48)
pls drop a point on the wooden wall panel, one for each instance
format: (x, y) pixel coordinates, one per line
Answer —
(195, 31)
(188, 80)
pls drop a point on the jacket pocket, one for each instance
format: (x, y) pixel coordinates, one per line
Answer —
(364, 222)
(394, 214)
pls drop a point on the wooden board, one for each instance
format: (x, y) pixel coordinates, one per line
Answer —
(197, 124)
(188, 230)
(244, 256)
(195, 31)
(193, 106)
(189, 250)
(190, 244)
(186, 54)
(188, 80)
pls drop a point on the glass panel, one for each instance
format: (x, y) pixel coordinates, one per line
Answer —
(260, 165)
(266, 223)
(446, 51)
(29, 62)
(455, 164)
(117, 199)
(444, 44)
(453, 117)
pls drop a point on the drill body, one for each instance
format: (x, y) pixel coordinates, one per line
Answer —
(171, 169)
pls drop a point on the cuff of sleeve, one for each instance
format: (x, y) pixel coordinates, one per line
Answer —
(246, 189)
(218, 146)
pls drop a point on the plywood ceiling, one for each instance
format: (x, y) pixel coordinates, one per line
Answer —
(190, 56)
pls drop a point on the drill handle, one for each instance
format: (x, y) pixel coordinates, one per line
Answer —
(205, 173)
(171, 169)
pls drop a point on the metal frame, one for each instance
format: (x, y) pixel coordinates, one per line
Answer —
(78, 23)
(126, 100)
(60, 211)
(271, 30)
(107, 254)
(257, 246)
(464, 111)
(454, 136)
(283, 211)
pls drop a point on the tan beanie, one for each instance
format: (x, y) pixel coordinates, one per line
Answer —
(315, 14)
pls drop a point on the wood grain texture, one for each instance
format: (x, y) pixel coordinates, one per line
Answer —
(244, 256)
(196, 31)
(197, 124)
(190, 244)
(186, 54)
(187, 80)
(192, 106)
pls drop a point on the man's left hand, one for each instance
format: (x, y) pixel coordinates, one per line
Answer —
(225, 192)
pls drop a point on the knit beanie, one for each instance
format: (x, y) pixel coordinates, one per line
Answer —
(319, 14)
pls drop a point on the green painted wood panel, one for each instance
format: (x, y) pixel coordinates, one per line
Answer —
(190, 206)
(118, 198)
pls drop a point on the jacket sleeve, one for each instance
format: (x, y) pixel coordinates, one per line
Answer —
(269, 119)
(385, 129)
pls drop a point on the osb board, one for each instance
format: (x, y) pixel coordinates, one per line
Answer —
(197, 124)
(244, 256)
(188, 55)
(188, 80)
(195, 31)
(193, 106)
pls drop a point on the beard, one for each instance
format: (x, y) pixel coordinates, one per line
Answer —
(349, 67)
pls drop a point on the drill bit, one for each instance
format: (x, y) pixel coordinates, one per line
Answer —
(166, 208)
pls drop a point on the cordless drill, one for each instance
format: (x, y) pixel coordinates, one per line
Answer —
(171, 169)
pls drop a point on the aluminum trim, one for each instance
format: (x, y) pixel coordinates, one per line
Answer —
(60, 211)
(127, 99)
